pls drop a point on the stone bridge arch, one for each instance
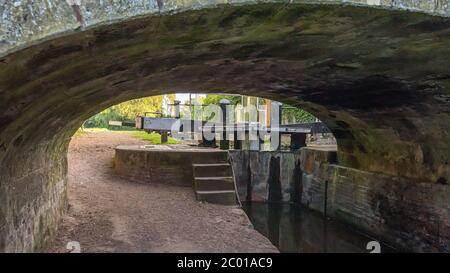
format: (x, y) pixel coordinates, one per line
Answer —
(378, 78)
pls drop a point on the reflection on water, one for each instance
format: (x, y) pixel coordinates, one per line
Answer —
(292, 228)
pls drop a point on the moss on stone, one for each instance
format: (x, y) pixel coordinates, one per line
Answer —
(372, 76)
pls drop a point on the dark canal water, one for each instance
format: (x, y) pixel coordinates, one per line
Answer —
(292, 228)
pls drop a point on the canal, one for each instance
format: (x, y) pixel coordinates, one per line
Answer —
(292, 228)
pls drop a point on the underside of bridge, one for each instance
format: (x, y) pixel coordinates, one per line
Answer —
(379, 79)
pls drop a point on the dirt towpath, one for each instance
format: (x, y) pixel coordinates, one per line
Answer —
(111, 214)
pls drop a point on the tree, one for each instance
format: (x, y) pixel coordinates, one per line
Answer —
(133, 108)
(290, 114)
(296, 115)
(129, 110)
(215, 99)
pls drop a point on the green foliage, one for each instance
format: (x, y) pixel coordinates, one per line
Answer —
(128, 111)
(101, 119)
(215, 99)
(296, 115)
(83, 131)
(133, 108)
(153, 138)
(211, 99)
(290, 114)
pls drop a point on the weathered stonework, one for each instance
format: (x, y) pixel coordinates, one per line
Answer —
(410, 216)
(378, 78)
(253, 175)
(24, 21)
(33, 197)
(162, 166)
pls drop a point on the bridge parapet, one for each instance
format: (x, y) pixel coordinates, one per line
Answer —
(23, 22)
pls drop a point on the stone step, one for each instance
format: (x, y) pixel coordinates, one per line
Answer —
(217, 197)
(208, 170)
(207, 156)
(225, 183)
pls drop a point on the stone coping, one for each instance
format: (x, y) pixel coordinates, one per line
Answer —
(23, 23)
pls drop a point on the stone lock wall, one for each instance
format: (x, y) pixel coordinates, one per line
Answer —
(266, 176)
(154, 165)
(410, 216)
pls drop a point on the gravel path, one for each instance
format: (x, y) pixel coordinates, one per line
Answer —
(110, 214)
